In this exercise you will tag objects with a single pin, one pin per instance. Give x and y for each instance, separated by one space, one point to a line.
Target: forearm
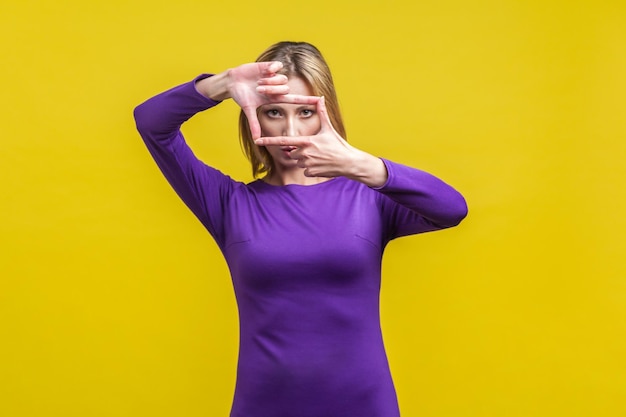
216 88
160 117
367 169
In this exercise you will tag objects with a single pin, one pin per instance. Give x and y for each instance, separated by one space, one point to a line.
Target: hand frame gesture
255 84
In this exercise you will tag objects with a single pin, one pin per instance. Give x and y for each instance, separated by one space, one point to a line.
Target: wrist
214 87
368 169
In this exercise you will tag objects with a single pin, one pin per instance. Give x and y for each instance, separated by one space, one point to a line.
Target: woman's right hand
251 86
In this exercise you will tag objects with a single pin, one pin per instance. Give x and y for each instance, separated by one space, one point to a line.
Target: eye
273 113
306 113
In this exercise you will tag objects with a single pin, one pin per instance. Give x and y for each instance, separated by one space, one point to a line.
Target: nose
290 128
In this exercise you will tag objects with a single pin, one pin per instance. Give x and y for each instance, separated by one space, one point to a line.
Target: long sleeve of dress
418 202
202 188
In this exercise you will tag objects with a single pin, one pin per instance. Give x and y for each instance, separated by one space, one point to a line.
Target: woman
304 243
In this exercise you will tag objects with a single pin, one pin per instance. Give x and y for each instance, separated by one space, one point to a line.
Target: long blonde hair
300 59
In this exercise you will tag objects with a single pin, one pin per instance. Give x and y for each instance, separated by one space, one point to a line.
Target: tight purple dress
305 263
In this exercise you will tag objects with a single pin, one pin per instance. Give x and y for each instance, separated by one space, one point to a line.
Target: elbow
152 123
147 123
141 118
455 212
458 212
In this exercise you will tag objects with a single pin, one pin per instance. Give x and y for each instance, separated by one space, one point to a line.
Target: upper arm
204 189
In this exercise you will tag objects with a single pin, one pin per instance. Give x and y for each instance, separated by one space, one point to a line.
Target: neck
292 176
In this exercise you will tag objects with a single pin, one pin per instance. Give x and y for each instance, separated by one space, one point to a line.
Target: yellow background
114 301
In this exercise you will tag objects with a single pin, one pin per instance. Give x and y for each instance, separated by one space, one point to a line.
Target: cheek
269 127
312 126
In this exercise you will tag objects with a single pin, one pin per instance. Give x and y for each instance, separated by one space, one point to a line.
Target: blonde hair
299 59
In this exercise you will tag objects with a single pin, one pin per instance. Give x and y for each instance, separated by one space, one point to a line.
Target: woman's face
283 119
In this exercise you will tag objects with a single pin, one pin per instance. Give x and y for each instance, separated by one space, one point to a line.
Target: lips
287 148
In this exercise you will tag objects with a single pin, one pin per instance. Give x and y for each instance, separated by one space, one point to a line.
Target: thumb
270 67
253 122
323 112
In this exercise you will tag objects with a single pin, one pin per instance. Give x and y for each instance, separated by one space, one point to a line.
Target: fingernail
259 142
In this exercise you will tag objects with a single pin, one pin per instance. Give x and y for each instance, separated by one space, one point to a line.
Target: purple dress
306 268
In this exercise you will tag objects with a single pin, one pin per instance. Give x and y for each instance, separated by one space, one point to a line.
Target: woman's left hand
327 154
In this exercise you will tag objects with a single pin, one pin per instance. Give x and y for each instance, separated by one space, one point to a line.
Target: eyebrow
281 105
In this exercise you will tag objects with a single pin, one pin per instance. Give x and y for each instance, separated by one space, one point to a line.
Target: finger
275 80
297 154
253 122
295 99
274 90
283 141
270 68
323 113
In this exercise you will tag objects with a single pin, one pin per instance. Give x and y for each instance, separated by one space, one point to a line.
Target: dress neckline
295 186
